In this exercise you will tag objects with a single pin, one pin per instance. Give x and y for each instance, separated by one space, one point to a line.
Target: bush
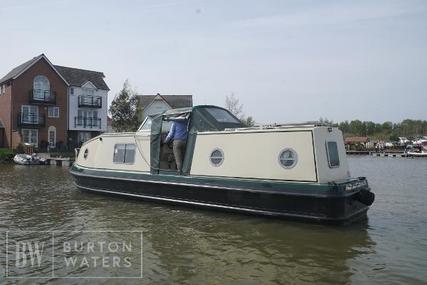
20 148
6 154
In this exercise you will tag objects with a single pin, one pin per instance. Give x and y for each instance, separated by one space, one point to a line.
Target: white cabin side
318 154
100 151
255 154
326 169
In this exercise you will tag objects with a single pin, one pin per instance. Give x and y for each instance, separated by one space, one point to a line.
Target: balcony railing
87 122
31 120
42 96
90 101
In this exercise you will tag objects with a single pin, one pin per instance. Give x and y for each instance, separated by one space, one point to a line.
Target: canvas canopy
200 119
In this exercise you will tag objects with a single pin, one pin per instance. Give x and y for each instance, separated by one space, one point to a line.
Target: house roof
17 71
175 101
78 77
356 139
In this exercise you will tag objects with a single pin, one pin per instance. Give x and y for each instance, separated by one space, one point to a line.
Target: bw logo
28 254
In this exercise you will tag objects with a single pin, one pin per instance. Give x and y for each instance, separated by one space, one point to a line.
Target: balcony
39 96
31 120
87 122
90 101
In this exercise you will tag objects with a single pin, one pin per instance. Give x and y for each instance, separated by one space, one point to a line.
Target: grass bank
6 155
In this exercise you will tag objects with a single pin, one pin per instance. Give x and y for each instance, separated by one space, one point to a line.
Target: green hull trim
266 186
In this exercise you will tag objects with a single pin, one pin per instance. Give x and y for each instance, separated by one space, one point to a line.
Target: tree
233 105
124 110
249 121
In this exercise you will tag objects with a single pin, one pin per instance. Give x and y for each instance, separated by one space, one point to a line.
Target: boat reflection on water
189 246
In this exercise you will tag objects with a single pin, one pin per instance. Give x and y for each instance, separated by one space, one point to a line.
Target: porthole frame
279 160
222 160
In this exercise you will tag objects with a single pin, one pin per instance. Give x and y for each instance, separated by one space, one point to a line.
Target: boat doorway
167 158
162 158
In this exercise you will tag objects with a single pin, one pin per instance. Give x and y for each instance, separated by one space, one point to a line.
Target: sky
286 61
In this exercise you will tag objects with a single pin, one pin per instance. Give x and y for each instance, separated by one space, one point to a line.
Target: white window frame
30 135
89 91
41 85
36 108
51 129
124 147
55 112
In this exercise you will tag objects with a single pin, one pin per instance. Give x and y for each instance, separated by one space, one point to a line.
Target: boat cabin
219 145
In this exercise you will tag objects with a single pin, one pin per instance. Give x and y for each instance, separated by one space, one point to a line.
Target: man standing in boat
178 133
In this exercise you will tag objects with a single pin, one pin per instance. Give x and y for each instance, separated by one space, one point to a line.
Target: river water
187 246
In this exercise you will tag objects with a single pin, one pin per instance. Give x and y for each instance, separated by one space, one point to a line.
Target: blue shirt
178 131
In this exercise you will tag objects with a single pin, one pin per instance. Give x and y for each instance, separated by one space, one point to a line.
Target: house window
52 136
30 136
124 153
29 114
72 91
89 91
53 112
41 87
333 157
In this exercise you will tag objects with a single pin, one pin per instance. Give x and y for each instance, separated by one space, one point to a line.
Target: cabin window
217 157
288 158
86 153
146 126
124 153
333 157
222 116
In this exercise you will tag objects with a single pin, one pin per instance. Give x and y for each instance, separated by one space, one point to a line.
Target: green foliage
385 131
20 148
6 154
249 121
124 110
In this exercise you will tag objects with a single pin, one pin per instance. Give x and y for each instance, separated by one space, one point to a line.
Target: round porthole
217 157
288 158
86 153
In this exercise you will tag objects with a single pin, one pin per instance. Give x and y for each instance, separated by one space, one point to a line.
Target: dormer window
89 91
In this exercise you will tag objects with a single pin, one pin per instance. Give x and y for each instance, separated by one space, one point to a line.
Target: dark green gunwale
291 188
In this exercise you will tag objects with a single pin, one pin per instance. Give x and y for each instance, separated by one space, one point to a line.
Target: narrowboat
296 171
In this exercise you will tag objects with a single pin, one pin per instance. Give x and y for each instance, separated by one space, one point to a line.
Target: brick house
51 106
33 105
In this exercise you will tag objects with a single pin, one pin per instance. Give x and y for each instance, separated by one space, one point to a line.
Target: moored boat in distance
419 150
292 171
26 159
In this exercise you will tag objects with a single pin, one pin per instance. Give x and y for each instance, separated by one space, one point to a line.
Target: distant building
154 104
51 106
356 143
87 104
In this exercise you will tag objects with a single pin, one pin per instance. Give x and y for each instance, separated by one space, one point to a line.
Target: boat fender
366 197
